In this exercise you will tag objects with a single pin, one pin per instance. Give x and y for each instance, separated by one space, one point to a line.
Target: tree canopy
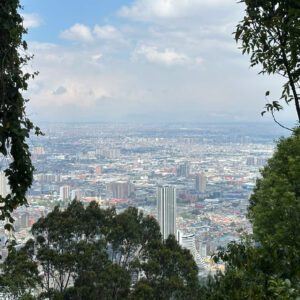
91 253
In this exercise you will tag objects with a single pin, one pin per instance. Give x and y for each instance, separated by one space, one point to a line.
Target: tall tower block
166 210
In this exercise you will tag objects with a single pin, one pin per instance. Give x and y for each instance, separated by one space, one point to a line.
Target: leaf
8 227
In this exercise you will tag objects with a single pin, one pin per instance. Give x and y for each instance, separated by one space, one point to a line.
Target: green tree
15 126
60 238
170 273
19 273
97 277
274 207
270 32
130 235
90 253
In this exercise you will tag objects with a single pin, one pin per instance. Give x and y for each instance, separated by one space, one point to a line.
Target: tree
130 235
15 126
274 207
97 277
19 273
270 32
170 273
91 253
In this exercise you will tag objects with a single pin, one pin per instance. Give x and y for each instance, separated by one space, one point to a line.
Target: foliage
90 253
270 32
170 273
20 274
14 124
275 206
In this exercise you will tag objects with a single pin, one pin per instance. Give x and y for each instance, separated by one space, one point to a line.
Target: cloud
106 32
166 57
59 91
78 32
97 57
146 10
31 20
174 68
83 33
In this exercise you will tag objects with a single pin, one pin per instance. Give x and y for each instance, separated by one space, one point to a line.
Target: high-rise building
184 170
188 242
4 187
166 210
24 220
76 194
203 249
120 189
250 161
200 183
64 192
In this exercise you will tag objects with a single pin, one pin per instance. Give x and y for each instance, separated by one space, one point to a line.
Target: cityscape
195 179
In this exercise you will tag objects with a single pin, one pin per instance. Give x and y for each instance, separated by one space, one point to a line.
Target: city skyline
213 169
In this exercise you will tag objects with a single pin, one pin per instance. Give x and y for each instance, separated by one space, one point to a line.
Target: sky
142 61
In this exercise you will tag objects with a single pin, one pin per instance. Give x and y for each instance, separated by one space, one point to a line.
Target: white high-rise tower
166 211
4 187
200 183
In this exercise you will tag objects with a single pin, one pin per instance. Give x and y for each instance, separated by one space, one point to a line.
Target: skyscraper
120 189
166 210
183 170
4 187
200 183
64 192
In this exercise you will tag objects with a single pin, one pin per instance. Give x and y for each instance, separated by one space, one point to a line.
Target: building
250 161
4 187
98 170
38 151
24 220
183 170
76 194
166 211
203 249
120 189
200 183
188 242
64 192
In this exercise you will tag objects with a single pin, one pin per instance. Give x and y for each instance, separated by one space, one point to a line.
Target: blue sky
141 60
56 15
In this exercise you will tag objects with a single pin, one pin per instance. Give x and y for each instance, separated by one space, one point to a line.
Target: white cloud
83 33
106 32
31 20
150 9
78 32
97 57
166 57
101 82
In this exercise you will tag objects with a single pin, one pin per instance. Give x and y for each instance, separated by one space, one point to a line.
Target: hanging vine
15 127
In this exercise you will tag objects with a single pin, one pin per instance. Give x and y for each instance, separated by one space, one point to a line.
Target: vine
15 126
